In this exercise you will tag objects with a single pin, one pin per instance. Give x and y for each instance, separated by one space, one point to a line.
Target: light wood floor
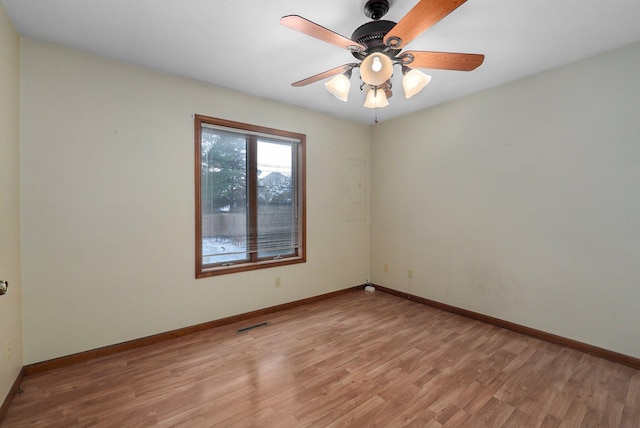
361 359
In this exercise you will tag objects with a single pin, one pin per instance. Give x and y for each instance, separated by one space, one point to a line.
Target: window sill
205 272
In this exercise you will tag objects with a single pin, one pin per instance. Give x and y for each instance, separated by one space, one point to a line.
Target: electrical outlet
386 268
7 353
410 273
276 282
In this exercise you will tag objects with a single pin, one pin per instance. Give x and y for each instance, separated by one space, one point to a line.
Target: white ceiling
240 44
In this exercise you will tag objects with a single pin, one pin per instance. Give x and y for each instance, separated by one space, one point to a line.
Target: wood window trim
202 270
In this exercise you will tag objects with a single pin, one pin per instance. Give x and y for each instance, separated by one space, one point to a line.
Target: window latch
226 264
278 257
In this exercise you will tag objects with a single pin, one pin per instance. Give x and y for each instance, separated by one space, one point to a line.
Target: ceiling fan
378 46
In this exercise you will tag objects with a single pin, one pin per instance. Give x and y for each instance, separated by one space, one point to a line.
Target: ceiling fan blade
303 25
324 75
423 16
442 60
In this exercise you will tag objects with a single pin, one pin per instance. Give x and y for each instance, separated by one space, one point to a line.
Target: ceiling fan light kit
339 86
376 69
378 44
413 81
376 98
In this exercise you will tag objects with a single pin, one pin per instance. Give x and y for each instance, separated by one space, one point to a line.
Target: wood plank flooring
360 359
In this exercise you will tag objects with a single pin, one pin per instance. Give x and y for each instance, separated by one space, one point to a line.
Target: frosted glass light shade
339 86
376 69
376 98
413 82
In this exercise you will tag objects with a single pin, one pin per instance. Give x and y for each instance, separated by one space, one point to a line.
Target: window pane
277 215
224 196
250 202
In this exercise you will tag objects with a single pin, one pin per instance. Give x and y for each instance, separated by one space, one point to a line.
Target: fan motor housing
376 9
372 35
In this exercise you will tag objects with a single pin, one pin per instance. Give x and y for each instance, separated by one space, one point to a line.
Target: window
250 197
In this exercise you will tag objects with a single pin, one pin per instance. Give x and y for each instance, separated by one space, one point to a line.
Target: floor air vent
251 327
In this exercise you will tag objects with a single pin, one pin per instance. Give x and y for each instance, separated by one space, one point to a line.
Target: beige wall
108 204
521 202
10 303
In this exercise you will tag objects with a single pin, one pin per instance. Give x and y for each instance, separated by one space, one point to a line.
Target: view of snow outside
273 159
225 249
